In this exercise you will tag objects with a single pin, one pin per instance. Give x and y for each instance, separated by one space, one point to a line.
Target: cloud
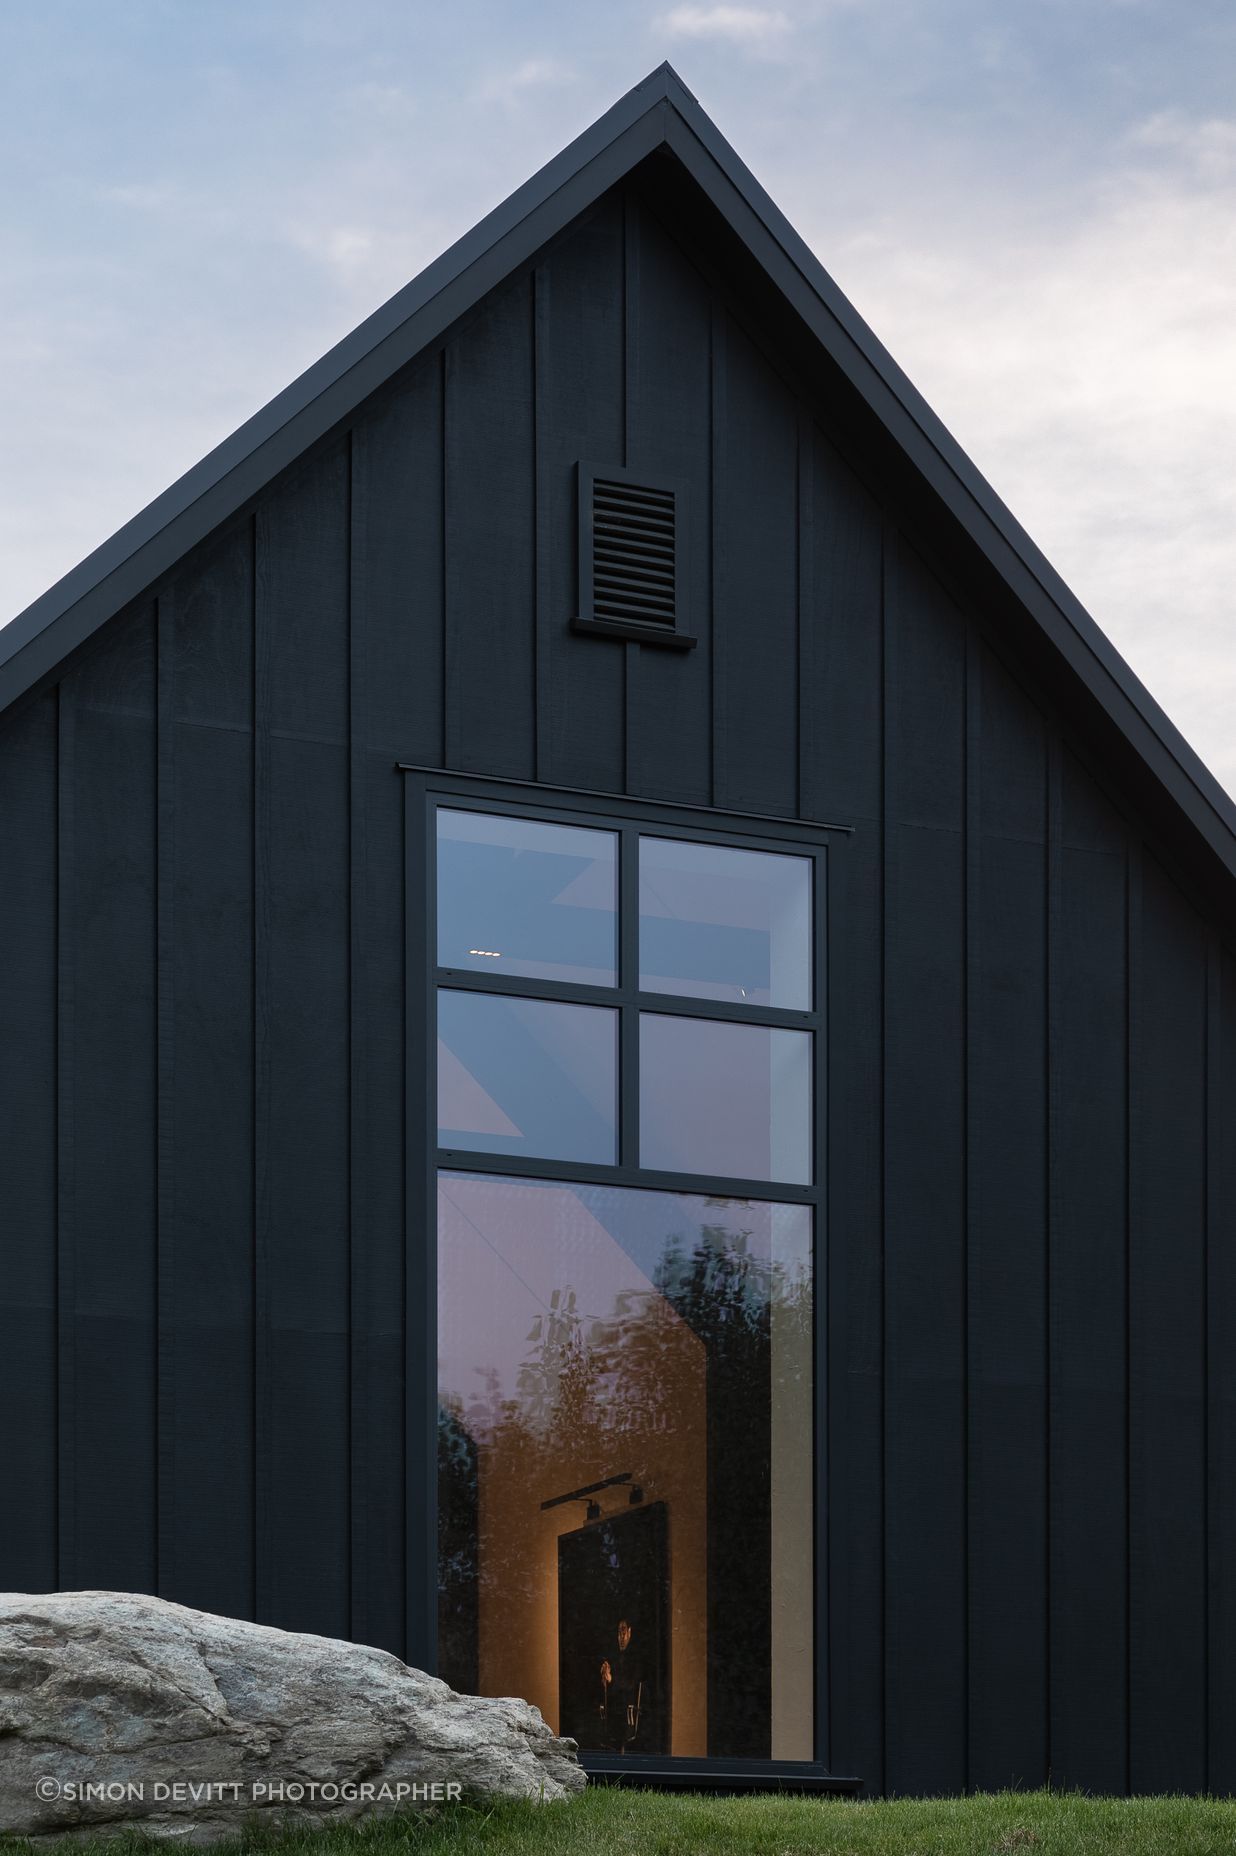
141 197
532 74
387 103
740 25
344 248
1088 366
1205 149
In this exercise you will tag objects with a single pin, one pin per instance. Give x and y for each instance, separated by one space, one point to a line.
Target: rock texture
120 1712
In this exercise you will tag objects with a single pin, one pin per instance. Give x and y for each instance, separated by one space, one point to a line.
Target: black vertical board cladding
924 1228
854 1262
842 695
303 1030
377 1207
396 701
1006 1296
840 648
755 580
206 1235
580 389
110 1430
1167 1340
397 569
669 431
65 1037
28 1558
1221 1360
1088 1148
491 666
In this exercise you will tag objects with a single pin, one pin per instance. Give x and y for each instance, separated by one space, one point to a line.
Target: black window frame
425 792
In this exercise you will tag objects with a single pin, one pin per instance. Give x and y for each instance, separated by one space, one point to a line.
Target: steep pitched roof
659 113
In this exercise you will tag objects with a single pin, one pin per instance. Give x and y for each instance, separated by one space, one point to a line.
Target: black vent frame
632 566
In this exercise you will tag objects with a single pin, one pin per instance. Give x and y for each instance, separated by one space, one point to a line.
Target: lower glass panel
659 1344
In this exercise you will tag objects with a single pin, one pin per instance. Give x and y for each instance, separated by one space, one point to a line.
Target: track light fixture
589 1488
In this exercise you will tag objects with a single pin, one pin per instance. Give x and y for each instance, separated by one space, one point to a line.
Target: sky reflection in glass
527 1076
733 1099
516 896
721 923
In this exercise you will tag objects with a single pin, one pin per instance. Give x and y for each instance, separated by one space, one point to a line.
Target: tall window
627 1040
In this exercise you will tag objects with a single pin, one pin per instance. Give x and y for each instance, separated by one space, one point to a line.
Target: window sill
654 1773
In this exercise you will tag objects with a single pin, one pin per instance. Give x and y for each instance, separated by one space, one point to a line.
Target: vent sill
634 632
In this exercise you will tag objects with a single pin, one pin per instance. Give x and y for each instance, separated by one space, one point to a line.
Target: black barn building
619 1038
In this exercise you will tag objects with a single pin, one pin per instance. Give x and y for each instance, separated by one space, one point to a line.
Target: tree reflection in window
682 1356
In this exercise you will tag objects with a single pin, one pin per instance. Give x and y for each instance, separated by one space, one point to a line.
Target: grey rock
120 1712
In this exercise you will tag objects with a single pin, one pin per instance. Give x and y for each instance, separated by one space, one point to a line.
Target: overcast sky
1033 204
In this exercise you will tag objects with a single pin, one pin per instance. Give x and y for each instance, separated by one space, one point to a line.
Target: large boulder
121 1712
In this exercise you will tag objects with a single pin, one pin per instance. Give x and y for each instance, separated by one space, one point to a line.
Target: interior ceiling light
486 953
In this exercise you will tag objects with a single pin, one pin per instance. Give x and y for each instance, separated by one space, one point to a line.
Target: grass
607 1822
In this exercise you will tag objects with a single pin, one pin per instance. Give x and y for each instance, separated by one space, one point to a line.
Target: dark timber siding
1030 1268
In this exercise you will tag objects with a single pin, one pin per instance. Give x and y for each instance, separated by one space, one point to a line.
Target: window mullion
628 981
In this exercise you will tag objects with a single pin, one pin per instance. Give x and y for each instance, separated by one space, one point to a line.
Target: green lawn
629 1823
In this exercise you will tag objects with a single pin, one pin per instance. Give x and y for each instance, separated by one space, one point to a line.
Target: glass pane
659 1344
517 896
716 923
724 1098
527 1076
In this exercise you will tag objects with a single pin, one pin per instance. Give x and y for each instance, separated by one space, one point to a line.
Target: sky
1033 205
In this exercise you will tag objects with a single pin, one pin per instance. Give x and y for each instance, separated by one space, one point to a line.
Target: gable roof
660 113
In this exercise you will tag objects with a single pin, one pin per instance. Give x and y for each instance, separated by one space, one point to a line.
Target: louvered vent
633 553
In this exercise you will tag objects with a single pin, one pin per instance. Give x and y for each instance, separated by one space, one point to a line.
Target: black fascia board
659 112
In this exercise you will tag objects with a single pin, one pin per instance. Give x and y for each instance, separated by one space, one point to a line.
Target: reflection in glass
588 1332
518 896
527 1076
733 1099
719 923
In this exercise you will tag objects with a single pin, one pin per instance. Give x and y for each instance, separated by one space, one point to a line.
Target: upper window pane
521 897
717 923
